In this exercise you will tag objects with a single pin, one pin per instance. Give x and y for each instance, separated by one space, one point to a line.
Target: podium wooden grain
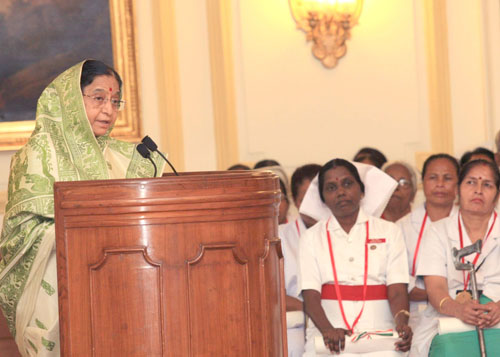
173 266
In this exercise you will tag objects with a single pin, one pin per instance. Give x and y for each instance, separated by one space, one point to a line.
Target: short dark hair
477 151
266 163
94 68
333 164
372 154
239 167
306 172
440 156
471 164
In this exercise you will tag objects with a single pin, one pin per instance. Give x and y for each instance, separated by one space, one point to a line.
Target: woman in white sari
71 142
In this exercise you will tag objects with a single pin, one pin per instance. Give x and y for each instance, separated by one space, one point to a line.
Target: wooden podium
173 266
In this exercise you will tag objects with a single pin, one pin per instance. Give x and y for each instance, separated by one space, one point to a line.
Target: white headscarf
378 190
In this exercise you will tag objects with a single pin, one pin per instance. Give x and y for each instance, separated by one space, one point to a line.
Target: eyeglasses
404 183
99 101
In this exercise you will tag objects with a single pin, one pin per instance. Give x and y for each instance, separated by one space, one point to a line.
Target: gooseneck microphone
144 151
151 145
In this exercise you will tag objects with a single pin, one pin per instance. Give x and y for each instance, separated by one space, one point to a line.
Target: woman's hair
333 164
477 151
239 167
266 163
440 156
94 68
471 164
306 172
372 154
411 171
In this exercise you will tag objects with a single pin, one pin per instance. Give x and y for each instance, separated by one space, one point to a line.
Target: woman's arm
417 294
437 291
397 294
334 338
293 304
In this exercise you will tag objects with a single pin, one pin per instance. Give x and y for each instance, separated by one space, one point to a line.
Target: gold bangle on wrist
403 311
442 302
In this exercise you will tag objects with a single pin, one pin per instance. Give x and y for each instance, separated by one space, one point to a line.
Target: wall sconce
328 24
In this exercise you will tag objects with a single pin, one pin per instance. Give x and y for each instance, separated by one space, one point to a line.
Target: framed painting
40 39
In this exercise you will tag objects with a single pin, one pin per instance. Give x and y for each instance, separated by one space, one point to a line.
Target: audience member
348 258
266 163
439 178
400 203
274 166
449 289
370 156
238 167
290 234
476 154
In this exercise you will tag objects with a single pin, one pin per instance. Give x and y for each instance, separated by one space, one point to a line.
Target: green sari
61 148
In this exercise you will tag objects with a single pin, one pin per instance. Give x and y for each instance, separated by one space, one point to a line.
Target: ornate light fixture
328 24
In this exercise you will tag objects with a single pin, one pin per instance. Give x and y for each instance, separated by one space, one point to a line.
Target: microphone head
143 150
149 143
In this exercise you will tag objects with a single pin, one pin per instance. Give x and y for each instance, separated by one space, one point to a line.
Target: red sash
354 292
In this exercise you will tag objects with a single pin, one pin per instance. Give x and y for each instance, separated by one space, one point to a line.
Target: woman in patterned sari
71 142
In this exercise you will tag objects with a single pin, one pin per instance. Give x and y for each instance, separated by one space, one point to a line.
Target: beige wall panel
491 28
195 85
147 74
467 75
294 110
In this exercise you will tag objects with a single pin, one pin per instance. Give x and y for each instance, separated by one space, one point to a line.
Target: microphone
143 150
151 145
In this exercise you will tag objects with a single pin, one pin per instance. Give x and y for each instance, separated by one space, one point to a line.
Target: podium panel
173 266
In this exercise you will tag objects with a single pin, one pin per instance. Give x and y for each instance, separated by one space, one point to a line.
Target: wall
297 111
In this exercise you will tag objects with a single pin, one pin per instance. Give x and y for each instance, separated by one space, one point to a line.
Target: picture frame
14 134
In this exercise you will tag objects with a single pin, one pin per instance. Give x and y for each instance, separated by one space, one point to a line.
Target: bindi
110 89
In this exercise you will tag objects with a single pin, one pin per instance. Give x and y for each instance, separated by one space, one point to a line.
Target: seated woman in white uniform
439 178
290 234
448 289
353 274
400 203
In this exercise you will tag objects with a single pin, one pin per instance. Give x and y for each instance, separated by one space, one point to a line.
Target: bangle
403 311
443 300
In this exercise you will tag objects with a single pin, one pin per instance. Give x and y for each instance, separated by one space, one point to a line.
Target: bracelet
443 301
403 311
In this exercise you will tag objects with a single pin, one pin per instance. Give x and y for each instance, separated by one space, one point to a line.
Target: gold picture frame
15 134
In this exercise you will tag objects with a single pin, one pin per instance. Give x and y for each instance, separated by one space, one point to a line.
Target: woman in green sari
71 142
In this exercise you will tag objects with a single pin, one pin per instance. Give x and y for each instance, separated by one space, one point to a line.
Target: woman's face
477 192
97 99
405 192
440 182
283 209
341 191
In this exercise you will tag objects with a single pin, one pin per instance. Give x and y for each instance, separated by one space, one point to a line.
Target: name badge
376 240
